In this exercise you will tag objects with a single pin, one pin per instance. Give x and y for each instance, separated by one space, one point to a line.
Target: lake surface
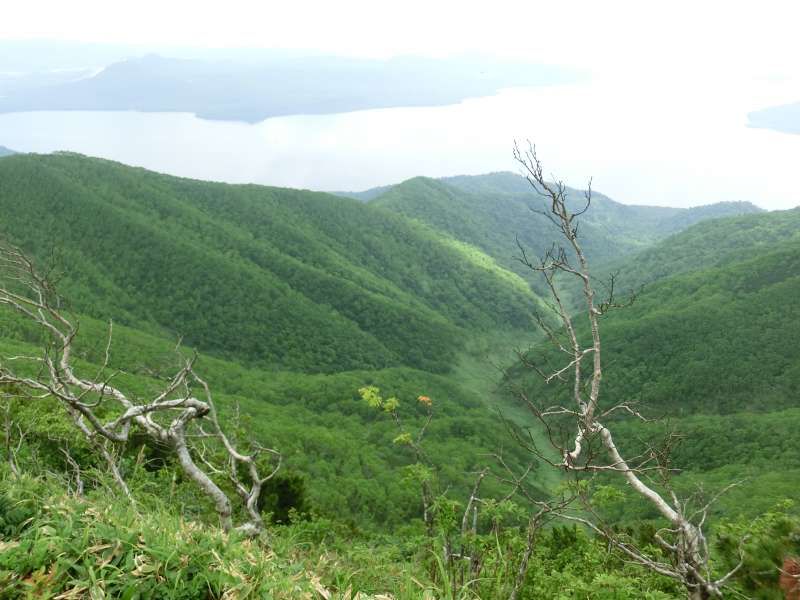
641 142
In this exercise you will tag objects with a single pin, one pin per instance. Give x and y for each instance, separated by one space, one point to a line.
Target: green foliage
713 243
491 212
372 396
304 307
325 431
278 278
569 564
403 439
99 546
53 545
761 545
288 291
708 354
712 341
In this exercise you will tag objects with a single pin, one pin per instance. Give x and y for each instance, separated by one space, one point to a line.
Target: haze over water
642 142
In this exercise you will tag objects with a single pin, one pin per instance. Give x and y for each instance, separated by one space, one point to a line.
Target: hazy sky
672 82
720 38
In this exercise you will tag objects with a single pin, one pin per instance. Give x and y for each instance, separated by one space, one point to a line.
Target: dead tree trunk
682 539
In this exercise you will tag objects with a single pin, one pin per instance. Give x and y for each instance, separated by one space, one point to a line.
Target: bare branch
33 296
683 539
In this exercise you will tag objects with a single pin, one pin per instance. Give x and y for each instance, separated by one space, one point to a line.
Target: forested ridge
710 244
493 211
282 278
498 211
346 334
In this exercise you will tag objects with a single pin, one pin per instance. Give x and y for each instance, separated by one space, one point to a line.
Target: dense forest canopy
298 301
282 278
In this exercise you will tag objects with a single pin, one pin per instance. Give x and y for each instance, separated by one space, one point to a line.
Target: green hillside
279 278
640 220
710 244
328 436
296 300
630 226
712 341
491 211
709 349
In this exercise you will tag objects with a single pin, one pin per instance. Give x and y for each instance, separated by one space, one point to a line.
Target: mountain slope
281 278
295 301
492 211
639 223
652 219
709 345
6 151
712 341
711 244
340 448
712 334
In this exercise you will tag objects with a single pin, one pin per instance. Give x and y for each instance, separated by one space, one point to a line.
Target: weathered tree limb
166 418
688 550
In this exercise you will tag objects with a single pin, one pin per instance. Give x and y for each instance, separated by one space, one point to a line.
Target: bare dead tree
174 417
593 449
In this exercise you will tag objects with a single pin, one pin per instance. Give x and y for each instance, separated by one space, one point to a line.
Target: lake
643 142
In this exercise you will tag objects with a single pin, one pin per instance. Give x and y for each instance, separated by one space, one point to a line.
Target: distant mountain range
254 90
492 211
6 151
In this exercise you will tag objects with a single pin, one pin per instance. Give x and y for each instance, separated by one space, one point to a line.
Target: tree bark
221 502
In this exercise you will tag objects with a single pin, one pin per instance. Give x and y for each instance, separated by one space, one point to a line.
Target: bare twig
687 545
165 418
